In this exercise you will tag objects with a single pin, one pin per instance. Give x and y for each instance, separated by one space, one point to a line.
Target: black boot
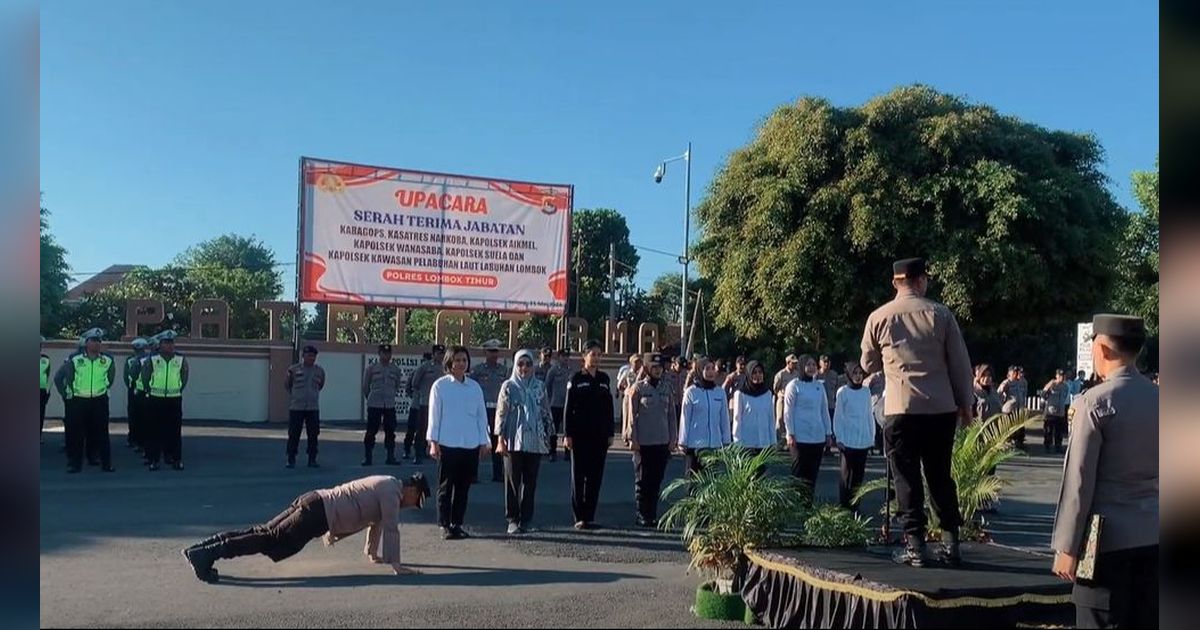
202 559
312 462
215 538
949 552
367 454
913 553
391 457
291 461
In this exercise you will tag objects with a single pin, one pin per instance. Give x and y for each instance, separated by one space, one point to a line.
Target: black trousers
854 466
520 485
75 424
1018 437
1123 593
163 429
497 461
1055 431
310 422
556 413
456 471
386 416
414 432
90 431
131 416
806 463
691 460
283 536
649 468
587 475
923 441
45 393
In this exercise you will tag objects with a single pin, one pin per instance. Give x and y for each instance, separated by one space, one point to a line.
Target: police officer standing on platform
491 376
135 392
381 384
420 382
305 380
165 375
919 347
83 382
1111 470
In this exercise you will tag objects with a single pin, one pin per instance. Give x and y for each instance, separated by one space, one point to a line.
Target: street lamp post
684 340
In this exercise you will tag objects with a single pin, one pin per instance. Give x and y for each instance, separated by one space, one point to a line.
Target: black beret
909 268
1118 326
310 350
656 359
437 347
385 347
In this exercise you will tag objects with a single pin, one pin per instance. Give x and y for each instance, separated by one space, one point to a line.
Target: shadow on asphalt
460 576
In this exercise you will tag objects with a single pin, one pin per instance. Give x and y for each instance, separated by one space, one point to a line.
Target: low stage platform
996 587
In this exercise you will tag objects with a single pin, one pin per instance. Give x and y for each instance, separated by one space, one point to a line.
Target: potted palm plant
727 508
979 449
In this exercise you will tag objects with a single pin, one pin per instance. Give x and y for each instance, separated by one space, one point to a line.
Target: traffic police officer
135 393
917 344
1111 470
44 388
83 382
381 384
491 375
164 376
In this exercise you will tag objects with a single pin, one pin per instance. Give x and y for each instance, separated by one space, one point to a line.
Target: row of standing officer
154 382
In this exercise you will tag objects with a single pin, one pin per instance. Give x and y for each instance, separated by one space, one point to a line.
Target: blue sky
164 123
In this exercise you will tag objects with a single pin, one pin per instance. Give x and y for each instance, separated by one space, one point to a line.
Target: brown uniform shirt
919 347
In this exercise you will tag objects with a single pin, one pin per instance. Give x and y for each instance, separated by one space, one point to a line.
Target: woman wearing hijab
704 419
754 410
524 427
854 432
806 419
651 433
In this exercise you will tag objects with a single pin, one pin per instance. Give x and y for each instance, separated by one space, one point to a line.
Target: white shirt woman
754 410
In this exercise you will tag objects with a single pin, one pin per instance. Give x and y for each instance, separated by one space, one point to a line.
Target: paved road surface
110 545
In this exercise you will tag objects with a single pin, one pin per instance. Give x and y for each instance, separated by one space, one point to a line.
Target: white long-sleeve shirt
457 414
704 419
853 420
806 412
754 419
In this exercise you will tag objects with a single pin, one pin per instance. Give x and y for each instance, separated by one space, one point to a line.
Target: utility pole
612 281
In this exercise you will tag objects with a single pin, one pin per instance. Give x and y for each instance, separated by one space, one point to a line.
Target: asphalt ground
110 544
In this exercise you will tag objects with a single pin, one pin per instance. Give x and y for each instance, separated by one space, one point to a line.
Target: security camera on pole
684 341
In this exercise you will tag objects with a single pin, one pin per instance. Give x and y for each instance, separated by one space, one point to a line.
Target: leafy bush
831 525
731 506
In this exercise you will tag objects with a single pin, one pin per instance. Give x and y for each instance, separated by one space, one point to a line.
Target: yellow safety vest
44 374
138 384
91 376
166 380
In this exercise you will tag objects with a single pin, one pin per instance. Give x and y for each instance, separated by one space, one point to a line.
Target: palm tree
730 506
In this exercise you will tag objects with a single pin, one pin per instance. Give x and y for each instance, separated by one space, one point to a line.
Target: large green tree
801 225
592 231
1136 289
233 268
54 274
